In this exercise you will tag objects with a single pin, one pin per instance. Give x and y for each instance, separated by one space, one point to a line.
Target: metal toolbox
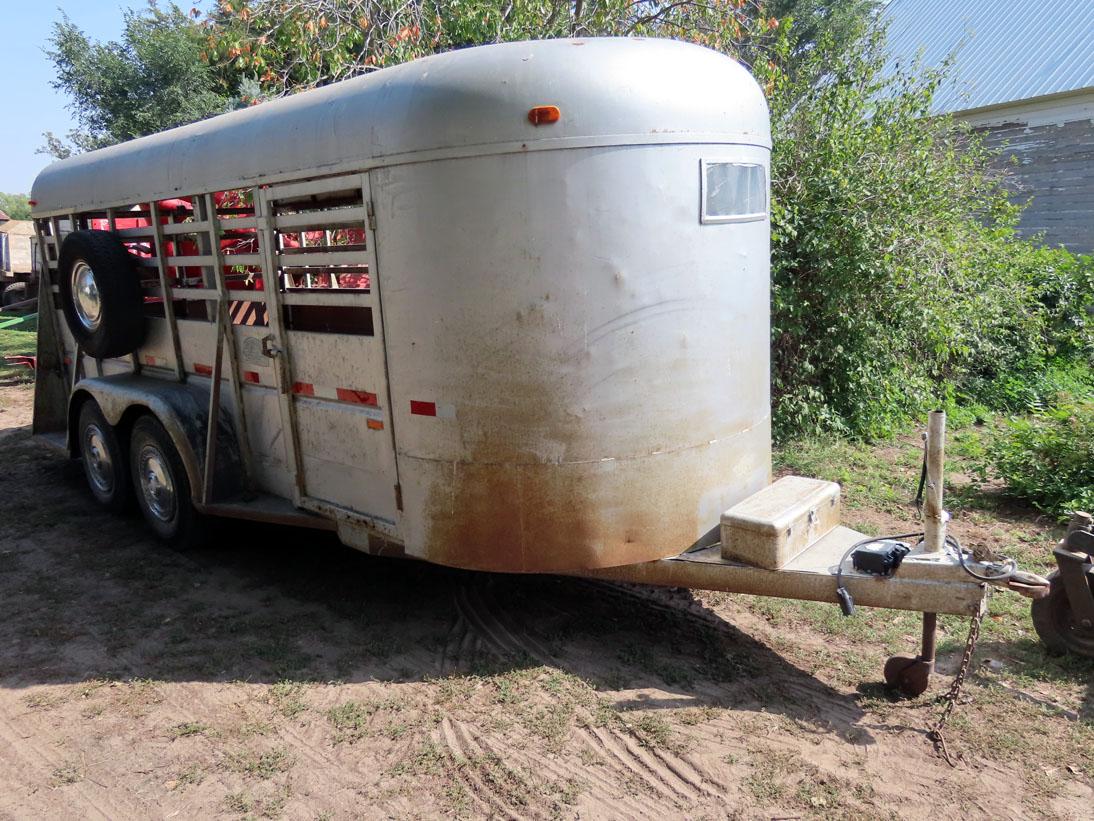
772 526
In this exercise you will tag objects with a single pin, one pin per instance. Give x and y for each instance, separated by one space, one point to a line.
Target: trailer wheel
101 294
1055 623
103 459
16 292
162 487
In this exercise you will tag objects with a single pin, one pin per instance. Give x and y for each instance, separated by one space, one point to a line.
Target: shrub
1048 459
897 276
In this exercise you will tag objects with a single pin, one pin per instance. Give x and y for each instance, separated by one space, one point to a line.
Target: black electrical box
880 558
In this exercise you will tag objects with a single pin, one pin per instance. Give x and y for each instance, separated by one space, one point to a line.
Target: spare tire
101 294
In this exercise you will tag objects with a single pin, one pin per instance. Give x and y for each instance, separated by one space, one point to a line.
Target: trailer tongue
786 541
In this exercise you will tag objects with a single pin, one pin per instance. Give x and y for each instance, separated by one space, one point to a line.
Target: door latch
270 348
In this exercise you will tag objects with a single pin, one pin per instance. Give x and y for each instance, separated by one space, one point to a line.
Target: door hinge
398 497
371 216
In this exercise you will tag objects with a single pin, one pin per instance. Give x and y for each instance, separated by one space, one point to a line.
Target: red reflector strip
150 360
303 388
356 397
423 408
203 370
252 377
375 424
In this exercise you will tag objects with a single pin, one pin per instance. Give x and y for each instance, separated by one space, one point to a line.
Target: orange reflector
543 114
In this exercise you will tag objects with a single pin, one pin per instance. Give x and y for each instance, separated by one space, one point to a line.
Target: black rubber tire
107 478
1054 624
16 292
180 525
122 325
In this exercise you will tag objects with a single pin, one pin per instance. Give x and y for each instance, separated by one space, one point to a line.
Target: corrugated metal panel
1005 50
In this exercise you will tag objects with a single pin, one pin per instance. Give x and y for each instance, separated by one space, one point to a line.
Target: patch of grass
239 802
882 478
16 343
288 697
67 773
249 729
692 716
263 765
351 720
190 777
652 730
764 790
41 701
189 728
459 800
427 760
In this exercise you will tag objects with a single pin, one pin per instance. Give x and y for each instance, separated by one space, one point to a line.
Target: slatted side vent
323 258
190 242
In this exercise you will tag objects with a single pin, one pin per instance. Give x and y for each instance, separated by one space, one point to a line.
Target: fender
182 409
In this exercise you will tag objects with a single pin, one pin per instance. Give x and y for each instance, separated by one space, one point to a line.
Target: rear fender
182 409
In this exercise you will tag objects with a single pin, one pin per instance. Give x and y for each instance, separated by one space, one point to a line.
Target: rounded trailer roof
611 91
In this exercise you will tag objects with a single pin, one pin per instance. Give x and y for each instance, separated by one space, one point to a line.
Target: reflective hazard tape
350 395
250 377
420 407
363 401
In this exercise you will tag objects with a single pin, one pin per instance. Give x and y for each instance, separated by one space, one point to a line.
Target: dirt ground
280 674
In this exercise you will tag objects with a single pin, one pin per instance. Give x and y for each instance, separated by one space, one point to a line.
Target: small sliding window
733 192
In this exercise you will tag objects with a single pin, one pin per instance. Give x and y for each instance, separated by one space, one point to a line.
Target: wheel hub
85 296
157 484
100 468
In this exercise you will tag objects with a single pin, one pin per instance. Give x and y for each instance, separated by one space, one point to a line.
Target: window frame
706 218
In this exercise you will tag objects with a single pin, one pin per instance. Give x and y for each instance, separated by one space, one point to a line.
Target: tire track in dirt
465 758
607 797
482 625
495 628
637 763
663 773
95 797
460 648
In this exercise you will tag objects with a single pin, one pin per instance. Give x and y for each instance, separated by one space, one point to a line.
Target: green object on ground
20 323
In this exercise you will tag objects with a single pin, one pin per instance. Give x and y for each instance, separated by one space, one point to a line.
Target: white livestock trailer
504 308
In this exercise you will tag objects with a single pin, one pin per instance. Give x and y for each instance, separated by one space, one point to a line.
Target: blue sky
32 106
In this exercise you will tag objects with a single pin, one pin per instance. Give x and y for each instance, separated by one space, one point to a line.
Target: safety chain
935 733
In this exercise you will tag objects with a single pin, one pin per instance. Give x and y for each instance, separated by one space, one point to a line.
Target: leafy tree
15 206
839 23
151 79
896 267
285 45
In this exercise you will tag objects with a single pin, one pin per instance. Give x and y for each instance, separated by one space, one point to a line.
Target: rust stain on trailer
565 517
509 507
527 486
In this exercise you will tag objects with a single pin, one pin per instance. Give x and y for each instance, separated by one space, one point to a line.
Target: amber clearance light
544 114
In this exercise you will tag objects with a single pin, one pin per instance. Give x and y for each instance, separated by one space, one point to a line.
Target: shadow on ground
88 595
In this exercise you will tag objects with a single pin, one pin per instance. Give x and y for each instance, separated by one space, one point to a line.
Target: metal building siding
1004 50
1053 170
